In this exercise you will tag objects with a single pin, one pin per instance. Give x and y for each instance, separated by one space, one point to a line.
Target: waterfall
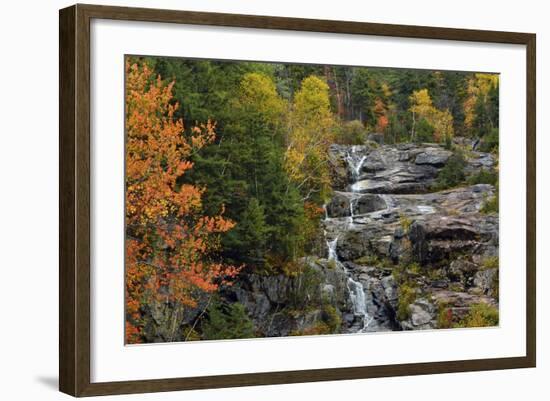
331 245
354 162
350 220
355 288
359 302
326 211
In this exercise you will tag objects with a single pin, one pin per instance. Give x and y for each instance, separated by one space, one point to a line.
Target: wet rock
388 217
339 205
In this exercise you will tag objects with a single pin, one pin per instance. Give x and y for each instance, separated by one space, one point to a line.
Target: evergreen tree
363 96
227 322
252 231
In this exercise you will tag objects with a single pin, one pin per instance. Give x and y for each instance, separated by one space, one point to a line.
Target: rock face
398 256
274 302
397 238
398 169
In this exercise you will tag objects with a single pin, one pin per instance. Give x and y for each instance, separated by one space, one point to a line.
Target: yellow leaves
259 95
484 82
310 135
421 102
478 86
440 120
312 105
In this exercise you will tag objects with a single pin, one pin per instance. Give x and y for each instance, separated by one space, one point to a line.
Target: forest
230 182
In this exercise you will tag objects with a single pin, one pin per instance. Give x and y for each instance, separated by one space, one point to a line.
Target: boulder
368 203
423 316
487 281
462 270
433 156
339 205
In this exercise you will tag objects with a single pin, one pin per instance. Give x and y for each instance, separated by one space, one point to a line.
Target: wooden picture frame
74 200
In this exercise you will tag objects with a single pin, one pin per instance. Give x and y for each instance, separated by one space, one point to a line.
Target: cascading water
355 288
331 245
355 162
350 219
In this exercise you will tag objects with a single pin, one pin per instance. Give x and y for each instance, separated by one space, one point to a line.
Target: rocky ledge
398 255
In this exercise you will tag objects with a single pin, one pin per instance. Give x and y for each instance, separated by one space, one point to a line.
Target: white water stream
355 288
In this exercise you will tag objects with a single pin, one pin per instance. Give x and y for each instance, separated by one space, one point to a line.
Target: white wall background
28 197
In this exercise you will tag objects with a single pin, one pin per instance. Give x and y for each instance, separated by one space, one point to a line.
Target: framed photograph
249 200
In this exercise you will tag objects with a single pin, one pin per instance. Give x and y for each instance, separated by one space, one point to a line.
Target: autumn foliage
440 120
170 244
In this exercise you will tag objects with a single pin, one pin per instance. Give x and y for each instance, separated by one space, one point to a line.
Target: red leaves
169 243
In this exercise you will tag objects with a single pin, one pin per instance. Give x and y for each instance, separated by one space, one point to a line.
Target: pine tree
227 322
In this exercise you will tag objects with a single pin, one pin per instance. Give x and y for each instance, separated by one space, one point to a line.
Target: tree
363 96
227 322
252 229
481 104
170 243
422 107
452 174
380 111
311 133
424 131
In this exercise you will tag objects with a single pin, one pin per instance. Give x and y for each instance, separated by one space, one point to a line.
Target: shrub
480 315
331 264
414 268
456 287
445 317
317 329
490 262
350 133
331 318
483 177
490 205
452 174
369 260
407 295
489 143
405 222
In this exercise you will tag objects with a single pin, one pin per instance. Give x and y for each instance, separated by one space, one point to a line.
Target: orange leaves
132 334
169 244
312 210
380 111
382 123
